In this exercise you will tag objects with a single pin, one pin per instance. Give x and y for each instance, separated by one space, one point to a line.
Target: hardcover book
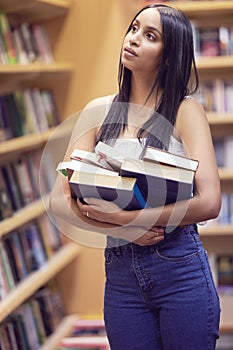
160 184
123 191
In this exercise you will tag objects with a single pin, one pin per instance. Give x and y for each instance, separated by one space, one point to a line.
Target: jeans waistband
169 231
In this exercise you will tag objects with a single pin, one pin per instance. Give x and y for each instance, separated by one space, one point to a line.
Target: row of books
25 250
22 181
30 324
223 151
213 41
27 111
23 43
216 96
158 179
222 269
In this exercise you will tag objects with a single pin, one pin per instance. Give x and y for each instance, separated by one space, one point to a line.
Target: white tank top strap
108 104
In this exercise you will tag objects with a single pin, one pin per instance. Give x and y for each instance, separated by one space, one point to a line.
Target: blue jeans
161 297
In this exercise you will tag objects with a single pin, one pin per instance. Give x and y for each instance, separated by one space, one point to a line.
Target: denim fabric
161 297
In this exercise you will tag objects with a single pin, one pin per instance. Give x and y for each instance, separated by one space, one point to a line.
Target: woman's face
143 45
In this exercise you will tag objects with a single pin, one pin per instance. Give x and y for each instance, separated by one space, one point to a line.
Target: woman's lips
130 51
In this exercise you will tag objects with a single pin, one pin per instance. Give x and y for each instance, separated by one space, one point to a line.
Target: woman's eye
150 36
134 28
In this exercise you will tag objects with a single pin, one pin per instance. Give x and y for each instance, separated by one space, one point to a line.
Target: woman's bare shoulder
100 101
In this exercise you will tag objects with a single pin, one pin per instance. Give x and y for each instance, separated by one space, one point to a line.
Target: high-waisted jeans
161 297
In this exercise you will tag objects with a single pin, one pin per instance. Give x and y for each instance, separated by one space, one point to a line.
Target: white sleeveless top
132 147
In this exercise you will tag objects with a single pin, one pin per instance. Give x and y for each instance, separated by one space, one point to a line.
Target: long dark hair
173 77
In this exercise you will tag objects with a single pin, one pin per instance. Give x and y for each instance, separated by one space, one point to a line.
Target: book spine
5 31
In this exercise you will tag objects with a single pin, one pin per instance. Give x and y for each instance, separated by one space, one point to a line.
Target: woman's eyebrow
155 29
149 27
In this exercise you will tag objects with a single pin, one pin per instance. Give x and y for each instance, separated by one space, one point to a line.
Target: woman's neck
140 90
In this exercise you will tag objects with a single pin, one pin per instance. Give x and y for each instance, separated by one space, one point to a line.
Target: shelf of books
39 278
213 48
32 251
22 216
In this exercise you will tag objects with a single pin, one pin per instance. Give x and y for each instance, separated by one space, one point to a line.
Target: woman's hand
100 210
151 237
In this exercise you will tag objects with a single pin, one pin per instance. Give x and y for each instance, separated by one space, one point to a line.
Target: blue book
121 190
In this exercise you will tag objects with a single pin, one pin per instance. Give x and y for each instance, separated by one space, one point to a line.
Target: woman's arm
64 207
193 130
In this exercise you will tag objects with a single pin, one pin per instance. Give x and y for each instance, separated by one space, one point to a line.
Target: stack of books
158 179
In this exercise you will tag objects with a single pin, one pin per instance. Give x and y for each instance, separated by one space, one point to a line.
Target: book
29 42
50 107
13 187
6 209
123 191
89 158
13 114
4 288
107 154
225 271
67 168
153 154
42 43
24 180
160 184
21 53
5 128
35 243
7 267
6 33
162 177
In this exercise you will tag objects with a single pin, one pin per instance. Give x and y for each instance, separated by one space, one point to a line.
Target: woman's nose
135 39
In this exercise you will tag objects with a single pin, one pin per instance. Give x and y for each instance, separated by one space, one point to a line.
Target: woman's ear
167 61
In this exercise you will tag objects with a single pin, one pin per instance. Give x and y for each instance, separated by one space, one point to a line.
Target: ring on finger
87 214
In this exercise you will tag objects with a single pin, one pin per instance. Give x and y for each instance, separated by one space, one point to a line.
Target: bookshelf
20 76
217 238
38 279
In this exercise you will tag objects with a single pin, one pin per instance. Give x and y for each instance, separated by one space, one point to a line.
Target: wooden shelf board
216 230
63 330
226 328
226 174
204 8
23 216
53 68
35 10
31 284
214 62
220 119
26 142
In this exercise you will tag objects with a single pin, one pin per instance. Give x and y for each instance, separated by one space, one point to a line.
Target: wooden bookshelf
19 76
218 64
25 143
23 216
63 330
216 230
35 10
36 68
38 279
204 9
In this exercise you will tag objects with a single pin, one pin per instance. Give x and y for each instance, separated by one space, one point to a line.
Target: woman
159 290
